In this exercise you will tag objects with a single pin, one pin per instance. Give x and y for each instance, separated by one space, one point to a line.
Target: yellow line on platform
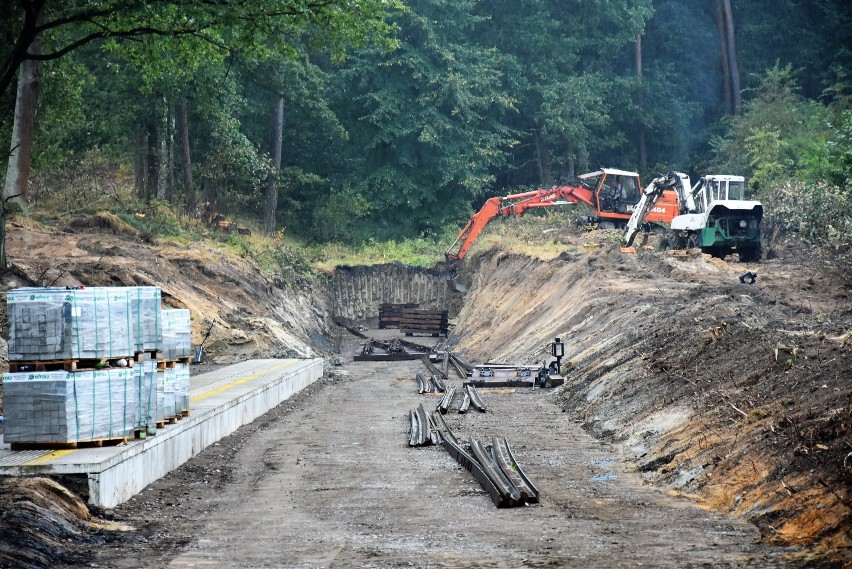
228 386
45 458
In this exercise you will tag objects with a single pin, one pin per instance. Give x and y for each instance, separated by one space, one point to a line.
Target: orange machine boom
611 193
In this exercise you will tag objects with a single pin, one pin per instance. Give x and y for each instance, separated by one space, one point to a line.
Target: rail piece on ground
459 369
421 428
447 400
504 457
351 330
445 368
432 367
475 400
460 362
465 404
438 382
424 383
508 492
389 351
465 459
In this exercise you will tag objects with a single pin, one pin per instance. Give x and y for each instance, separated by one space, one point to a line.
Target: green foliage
425 128
779 135
418 252
817 214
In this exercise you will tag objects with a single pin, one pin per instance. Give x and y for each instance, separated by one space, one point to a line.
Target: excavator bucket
455 283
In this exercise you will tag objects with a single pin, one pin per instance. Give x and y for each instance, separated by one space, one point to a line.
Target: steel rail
460 362
432 368
508 490
475 399
462 373
506 461
414 437
445 369
438 383
424 383
465 404
434 435
467 461
447 400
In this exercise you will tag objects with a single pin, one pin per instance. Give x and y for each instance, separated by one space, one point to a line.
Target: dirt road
327 480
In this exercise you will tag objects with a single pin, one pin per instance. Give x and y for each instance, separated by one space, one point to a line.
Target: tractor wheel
749 254
692 241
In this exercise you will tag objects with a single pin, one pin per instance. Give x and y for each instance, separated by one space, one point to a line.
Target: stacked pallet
431 322
390 315
82 368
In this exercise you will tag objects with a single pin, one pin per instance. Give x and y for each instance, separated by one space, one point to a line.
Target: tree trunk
732 56
172 193
163 158
545 174
723 47
151 162
643 151
571 174
272 182
139 171
23 130
185 162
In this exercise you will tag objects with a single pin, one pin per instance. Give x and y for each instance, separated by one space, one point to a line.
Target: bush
818 214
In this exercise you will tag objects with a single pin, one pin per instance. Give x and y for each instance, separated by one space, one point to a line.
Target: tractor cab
720 189
616 191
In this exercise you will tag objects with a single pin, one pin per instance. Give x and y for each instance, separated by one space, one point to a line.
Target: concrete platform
221 401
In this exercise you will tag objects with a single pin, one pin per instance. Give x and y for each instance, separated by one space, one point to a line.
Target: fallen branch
738 410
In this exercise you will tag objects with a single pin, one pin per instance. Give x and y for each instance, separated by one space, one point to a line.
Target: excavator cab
616 192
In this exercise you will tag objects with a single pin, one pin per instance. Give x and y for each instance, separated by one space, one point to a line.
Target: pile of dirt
42 524
253 315
736 394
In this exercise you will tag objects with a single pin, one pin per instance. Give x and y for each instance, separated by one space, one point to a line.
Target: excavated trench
731 395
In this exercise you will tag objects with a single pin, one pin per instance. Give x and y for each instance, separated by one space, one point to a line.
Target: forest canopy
389 119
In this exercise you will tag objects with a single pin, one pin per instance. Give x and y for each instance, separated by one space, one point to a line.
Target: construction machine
716 216
612 195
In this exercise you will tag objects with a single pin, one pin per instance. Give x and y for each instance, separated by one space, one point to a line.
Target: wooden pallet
66 445
431 322
67 365
390 315
166 364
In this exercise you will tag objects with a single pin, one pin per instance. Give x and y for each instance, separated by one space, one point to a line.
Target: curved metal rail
432 367
508 491
502 454
470 464
438 383
447 400
465 404
424 383
475 400
461 363
415 437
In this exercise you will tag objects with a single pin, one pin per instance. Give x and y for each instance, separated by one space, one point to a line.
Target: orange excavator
611 194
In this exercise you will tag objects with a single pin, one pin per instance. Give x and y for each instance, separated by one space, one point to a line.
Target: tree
261 27
563 68
425 122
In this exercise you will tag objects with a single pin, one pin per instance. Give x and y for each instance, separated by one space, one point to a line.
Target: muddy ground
704 421
328 480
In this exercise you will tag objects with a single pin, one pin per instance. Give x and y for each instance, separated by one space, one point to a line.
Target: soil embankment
735 394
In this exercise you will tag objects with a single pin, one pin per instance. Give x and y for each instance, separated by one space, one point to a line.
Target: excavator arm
646 203
516 204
